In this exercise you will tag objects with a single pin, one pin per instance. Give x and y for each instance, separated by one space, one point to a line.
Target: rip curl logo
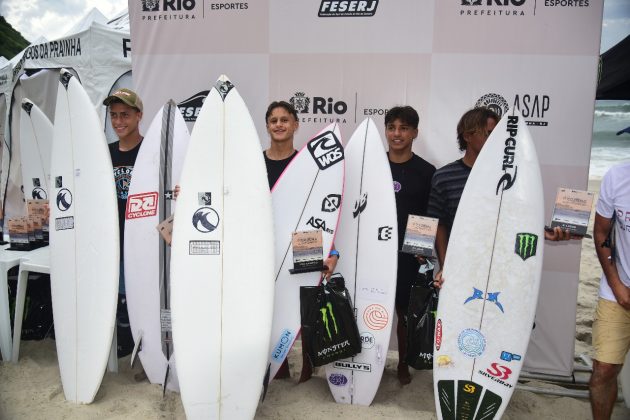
509 154
326 150
205 219
525 245
64 199
300 102
327 311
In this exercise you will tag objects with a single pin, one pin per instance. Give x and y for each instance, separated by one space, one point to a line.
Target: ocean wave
602 158
613 114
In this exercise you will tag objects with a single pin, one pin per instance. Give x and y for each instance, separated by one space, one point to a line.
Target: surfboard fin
168 370
266 382
136 348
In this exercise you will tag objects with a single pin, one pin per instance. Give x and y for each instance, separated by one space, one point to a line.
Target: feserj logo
347 8
191 107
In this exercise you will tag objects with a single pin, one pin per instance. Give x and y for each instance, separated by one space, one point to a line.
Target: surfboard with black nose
84 249
222 276
492 275
147 256
36 132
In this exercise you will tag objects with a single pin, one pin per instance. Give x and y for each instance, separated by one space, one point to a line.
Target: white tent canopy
100 56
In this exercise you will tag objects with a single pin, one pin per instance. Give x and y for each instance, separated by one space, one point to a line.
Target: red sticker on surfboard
438 334
141 205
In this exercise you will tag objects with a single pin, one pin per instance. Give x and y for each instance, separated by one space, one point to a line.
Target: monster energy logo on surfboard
325 310
525 245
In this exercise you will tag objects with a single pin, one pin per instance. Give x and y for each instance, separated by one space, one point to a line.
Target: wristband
334 253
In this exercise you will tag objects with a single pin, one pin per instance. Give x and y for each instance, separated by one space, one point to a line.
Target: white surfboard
492 275
367 233
84 248
307 196
222 263
36 132
147 255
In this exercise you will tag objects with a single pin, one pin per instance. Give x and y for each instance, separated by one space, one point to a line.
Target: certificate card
572 210
420 235
308 254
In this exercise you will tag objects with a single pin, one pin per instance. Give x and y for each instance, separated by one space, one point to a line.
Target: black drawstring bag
421 327
329 328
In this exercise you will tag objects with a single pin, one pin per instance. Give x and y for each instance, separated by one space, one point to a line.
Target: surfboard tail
136 349
266 382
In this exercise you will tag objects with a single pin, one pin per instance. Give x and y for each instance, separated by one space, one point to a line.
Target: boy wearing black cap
125 111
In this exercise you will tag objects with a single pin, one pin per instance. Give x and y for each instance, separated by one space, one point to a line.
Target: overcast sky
53 18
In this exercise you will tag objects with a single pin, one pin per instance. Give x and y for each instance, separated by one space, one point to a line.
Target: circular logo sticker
397 186
367 340
471 342
375 317
495 102
205 220
338 379
39 194
64 199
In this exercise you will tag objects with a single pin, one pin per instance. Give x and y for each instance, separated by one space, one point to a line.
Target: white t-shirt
614 196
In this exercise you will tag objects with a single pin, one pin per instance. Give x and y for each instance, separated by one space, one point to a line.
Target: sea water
608 148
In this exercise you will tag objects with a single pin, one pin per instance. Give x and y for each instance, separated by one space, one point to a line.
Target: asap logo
326 149
141 205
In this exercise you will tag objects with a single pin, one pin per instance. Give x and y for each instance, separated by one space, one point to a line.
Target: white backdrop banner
345 60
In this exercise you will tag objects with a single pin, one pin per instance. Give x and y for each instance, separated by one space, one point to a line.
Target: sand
32 389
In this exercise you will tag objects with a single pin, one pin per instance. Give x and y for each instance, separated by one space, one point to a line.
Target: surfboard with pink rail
307 196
